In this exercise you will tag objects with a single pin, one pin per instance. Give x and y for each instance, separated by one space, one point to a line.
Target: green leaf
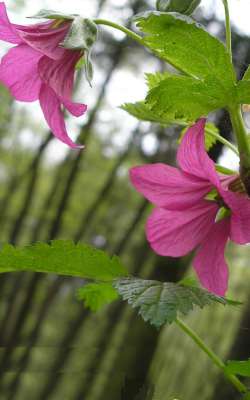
247 396
246 76
210 139
243 92
189 281
153 80
182 6
82 34
51 14
97 295
62 258
241 368
243 89
161 302
186 45
142 111
181 97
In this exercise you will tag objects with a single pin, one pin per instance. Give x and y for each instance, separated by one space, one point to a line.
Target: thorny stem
215 359
228 28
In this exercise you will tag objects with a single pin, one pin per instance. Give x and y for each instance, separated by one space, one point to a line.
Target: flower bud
182 6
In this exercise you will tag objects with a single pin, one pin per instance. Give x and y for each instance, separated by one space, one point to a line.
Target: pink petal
44 38
8 32
175 233
51 107
168 187
59 74
240 219
192 156
209 262
75 109
18 71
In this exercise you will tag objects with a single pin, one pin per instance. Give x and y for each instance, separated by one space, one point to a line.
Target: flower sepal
222 213
51 14
81 36
186 7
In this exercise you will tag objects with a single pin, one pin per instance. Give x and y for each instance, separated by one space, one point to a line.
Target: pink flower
39 69
185 219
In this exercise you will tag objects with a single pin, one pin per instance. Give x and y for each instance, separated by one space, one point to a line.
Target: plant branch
215 359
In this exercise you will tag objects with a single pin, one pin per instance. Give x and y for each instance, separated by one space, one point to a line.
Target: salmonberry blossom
197 208
38 68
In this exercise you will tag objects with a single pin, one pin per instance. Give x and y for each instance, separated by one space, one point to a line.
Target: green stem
121 28
215 359
228 28
241 135
223 141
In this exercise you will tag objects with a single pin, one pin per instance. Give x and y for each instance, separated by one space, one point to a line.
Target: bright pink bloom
38 68
184 219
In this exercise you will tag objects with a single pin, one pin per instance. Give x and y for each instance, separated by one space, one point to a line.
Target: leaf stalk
121 28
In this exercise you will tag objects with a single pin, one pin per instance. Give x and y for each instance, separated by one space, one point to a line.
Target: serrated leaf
210 139
210 135
181 97
241 368
243 92
51 14
142 111
97 295
153 80
185 44
189 281
246 76
82 34
161 302
62 258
